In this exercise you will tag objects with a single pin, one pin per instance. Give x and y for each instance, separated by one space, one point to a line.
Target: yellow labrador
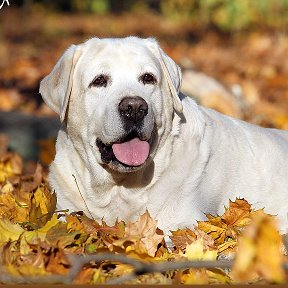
131 141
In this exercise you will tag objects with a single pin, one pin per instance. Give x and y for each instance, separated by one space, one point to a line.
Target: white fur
200 159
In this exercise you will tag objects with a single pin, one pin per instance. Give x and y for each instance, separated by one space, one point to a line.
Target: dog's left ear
171 72
56 88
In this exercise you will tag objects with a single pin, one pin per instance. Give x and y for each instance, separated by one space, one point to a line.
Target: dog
131 141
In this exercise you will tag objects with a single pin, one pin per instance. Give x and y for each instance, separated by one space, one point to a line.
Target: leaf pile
34 242
24 199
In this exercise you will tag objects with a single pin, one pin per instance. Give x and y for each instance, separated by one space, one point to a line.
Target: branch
140 267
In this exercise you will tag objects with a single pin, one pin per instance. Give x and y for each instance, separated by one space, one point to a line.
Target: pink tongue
132 153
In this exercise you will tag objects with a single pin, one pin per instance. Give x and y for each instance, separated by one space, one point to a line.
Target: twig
140 267
82 197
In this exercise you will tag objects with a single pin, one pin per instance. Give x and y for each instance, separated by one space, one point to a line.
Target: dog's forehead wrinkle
122 50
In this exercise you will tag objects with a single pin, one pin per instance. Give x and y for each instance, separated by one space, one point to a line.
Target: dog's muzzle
133 149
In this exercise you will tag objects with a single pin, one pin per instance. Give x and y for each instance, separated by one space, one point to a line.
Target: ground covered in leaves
39 244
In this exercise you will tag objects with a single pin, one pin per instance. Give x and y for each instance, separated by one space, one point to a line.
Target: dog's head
117 97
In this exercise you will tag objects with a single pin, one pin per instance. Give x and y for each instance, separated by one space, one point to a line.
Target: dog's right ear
56 88
171 72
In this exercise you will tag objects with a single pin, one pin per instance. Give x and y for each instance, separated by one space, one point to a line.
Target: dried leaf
229 226
181 238
58 262
195 276
143 234
10 165
197 251
9 231
259 252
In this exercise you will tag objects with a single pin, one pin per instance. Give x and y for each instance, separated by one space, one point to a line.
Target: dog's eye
99 81
148 78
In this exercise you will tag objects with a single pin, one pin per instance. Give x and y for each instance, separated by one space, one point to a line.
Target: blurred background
233 54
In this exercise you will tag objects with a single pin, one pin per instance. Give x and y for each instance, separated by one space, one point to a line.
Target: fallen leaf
197 251
9 231
58 262
230 225
10 165
194 276
181 238
143 234
259 253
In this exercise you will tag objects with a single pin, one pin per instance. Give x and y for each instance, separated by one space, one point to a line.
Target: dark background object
26 131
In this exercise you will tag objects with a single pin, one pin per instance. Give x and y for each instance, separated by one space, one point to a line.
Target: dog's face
120 87
114 95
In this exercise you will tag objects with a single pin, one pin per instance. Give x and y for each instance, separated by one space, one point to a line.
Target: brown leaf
31 182
58 262
145 231
181 238
141 236
237 216
85 276
208 241
238 213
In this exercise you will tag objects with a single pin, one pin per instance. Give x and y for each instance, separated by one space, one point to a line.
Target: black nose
133 109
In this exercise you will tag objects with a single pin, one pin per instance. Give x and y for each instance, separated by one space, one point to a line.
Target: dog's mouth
131 151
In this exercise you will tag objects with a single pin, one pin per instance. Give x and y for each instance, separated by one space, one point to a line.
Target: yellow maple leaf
197 251
5 171
43 205
195 276
216 232
229 225
73 223
29 270
9 231
34 236
39 199
7 205
259 253
228 246
217 276
10 165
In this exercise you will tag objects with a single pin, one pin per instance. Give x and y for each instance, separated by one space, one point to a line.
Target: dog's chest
122 203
